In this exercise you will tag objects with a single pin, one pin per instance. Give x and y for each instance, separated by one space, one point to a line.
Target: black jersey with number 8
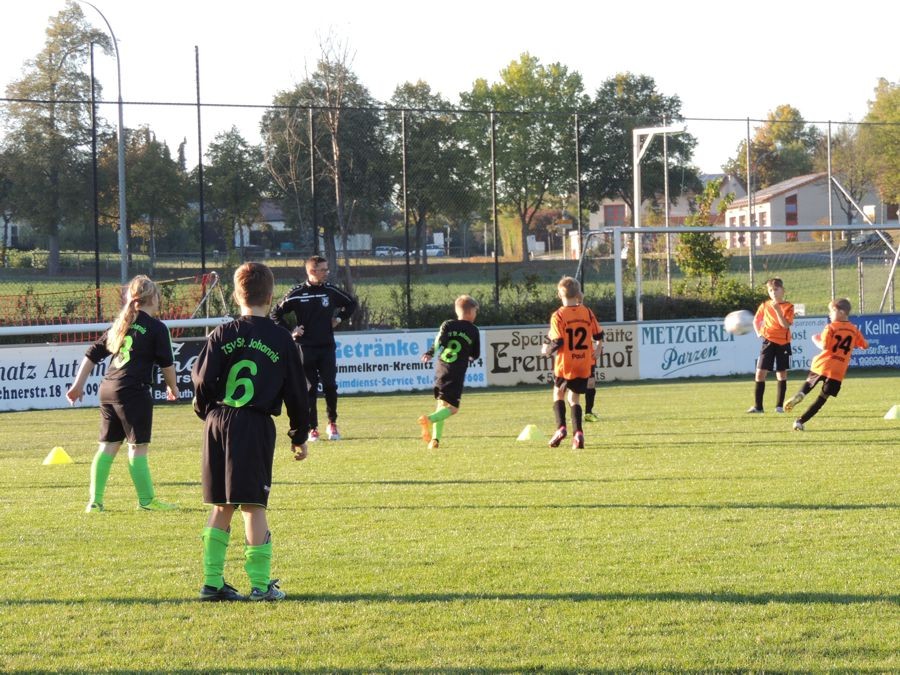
130 372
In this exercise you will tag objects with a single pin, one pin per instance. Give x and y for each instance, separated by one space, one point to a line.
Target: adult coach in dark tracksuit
318 307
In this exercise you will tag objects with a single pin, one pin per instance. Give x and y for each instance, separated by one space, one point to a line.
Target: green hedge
688 303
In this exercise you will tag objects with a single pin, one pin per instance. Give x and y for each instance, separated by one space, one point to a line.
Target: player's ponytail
141 291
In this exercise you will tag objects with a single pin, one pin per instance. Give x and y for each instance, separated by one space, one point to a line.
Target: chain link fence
412 206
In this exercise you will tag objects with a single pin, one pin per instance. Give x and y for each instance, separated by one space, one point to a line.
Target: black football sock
760 390
576 416
782 390
559 411
813 409
589 400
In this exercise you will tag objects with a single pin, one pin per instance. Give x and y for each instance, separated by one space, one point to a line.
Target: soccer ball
739 322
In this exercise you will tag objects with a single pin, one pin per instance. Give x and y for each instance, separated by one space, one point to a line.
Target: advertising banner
883 333
384 362
514 355
700 348
36 377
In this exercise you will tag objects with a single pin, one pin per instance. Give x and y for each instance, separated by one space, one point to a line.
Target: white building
615 213
802 200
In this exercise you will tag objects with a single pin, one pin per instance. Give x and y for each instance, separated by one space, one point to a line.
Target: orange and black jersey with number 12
838 340
577 329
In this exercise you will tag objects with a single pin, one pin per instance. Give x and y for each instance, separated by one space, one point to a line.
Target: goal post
817 262
50 329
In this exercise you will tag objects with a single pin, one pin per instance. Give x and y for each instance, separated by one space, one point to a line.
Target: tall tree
237 179
880 137
849 166
7 207
157 191
439 165
783 147
535 154
623 103
348 147
286 148
703 254
49 128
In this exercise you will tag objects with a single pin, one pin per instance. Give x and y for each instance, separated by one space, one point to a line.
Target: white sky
724 60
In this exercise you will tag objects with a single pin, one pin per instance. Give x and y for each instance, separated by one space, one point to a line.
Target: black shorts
238 448
773 356
131 420
319 366
579 385
449 392
830 387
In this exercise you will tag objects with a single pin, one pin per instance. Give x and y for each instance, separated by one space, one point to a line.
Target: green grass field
687 536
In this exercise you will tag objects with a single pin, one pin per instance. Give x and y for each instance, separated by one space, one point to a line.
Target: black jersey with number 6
130 373
252 363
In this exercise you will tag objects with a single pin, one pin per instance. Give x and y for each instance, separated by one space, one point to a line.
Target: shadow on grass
753 506
724 597
504 670
516 481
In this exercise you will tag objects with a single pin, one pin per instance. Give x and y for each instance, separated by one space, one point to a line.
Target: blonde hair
570 287
466 303
141 291
842 304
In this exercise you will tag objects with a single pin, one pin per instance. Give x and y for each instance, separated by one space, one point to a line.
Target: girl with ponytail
137 340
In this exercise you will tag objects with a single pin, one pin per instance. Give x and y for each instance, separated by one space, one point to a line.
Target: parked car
863 239
387 252
434 251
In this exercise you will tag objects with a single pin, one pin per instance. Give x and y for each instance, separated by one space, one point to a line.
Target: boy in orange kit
576 340
772 322
837 342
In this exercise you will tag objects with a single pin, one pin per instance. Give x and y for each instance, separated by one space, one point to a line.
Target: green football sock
258 565
437 429
215 544
139 468
440 415
100 468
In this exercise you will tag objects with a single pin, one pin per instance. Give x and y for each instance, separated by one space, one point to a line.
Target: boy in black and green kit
242 375
457 344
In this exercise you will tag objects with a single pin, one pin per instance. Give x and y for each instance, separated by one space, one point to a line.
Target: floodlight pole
123 227
639 149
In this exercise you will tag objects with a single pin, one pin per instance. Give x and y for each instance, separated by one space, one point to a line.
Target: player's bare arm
168 374
76 391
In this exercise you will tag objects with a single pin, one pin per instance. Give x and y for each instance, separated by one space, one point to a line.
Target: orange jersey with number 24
837 342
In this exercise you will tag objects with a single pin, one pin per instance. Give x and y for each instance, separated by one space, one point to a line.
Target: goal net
67 304
856 262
